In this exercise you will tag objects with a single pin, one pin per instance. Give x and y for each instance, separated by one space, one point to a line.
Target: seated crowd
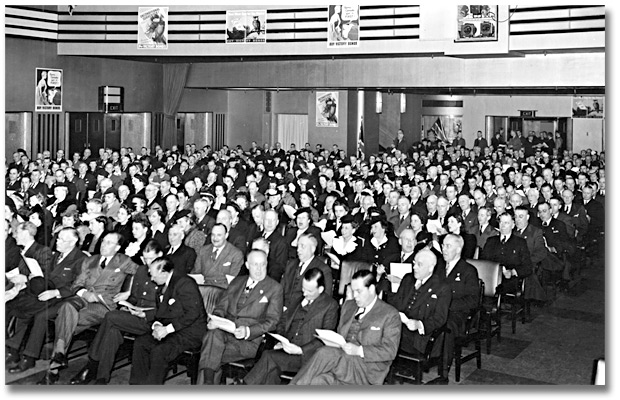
161 246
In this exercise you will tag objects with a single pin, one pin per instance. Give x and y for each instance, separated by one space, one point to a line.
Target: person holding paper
24 236
180 320
95 288
303 220
423 301
315 310
40 294
254 304
109 338
371 329
407 241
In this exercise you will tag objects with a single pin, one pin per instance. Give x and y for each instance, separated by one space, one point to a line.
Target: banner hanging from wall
246 26
476 23
153 28
343 26
327 109
48 90
588 107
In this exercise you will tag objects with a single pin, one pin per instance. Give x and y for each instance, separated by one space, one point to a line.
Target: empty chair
473 334
490 273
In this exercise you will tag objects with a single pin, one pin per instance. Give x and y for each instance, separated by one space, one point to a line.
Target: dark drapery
175 77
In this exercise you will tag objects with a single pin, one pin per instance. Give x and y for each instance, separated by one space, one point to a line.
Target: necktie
418 285
359 313
402 219
503 240
305 303
102 265
214 254
171 250
249 287
61 256
402 258
566 209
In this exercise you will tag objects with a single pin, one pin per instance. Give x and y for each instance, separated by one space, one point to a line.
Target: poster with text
153 28
588 107
327 109
246 26
476 23
48 92
343 26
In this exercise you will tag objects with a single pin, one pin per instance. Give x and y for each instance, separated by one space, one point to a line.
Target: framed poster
48 90
343 26
327 109
588 107
476 23
153 28
246 26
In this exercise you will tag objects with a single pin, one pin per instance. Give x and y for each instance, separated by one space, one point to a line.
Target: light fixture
379 102
403 103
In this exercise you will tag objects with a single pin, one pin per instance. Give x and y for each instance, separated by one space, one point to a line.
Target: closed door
96 133
78 132
112 128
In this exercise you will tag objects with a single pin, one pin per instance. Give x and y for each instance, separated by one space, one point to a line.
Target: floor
557 347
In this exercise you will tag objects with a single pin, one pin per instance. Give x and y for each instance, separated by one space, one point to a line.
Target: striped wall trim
558 31
442 103
550 8
561 19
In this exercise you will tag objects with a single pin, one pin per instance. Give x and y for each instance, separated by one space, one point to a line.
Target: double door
93 130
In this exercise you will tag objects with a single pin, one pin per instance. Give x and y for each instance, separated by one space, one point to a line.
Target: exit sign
527 113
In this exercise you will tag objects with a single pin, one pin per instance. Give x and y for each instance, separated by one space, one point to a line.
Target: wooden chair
474 334
189 359
518 305
408 366
490 273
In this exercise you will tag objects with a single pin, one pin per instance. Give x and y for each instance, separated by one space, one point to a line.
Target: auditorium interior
423 69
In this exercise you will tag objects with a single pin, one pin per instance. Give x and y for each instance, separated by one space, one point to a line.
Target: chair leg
489 335
418 374
513 312
478 354
457 362
192 368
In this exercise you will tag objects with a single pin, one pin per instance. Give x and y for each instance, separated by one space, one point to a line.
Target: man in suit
236 233
391 207
179 323
278 250
407 242
41 293
315 310
254 304
183 257
109 338
538 252
424 299
204 222
402 220
218 262
371 329
295 268
462 279
95 290
594 239
24 236
485 230
577 213
469 213
557 242
93 240
511 252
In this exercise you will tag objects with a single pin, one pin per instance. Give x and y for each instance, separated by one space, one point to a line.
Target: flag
439 130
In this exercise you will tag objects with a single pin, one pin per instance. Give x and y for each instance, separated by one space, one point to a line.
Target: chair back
210 296
490 273
347 269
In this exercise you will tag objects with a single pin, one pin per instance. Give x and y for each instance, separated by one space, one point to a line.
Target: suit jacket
181 305
106 282
205 225
430 306
260 312
470 222
292 234
536 245
88 241
228 262
513 254
291 280
389 213
464 286
278 256
579 221
62 275
144 291
488 232
379 336
556 236
42 254
596 212
398 225
321 314
184 259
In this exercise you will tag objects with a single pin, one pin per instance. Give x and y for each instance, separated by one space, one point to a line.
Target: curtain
292 128
175 77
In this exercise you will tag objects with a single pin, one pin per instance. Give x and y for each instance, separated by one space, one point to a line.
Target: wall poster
343 26
588 107
327 109
476 23
153 28
246 26
48 90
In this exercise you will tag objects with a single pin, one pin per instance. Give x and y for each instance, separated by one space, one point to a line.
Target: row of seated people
255 303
